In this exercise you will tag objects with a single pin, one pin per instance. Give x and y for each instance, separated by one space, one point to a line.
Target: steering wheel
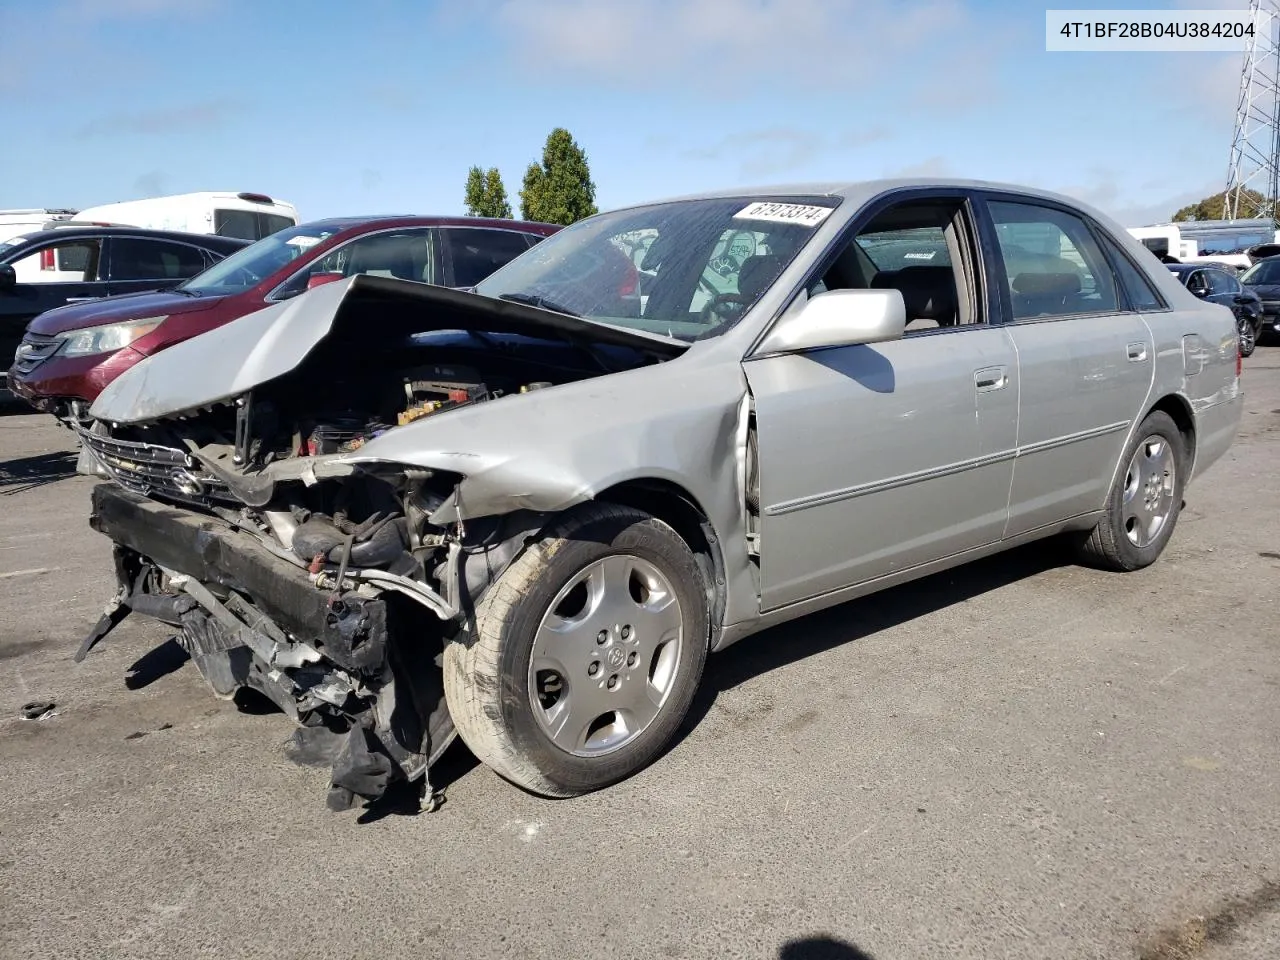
721 299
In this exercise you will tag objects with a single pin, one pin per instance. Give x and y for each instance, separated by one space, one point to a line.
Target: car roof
357 223
1188 267
861 191
89 231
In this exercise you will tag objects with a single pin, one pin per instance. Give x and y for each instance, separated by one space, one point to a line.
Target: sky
381 106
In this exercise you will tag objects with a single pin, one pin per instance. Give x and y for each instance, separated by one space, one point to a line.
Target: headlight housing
107 338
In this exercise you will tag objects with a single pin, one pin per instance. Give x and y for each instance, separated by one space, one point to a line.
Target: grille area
155 471
33 351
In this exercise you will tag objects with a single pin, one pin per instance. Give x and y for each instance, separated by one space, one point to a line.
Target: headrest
1047 284
756 273
657 251
929 293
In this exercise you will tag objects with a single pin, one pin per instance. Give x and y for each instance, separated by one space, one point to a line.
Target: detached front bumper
329 658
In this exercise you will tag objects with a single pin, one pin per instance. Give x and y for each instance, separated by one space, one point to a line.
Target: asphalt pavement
1021 758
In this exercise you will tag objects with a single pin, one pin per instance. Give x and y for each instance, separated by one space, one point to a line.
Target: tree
1214 207
559 190
486 194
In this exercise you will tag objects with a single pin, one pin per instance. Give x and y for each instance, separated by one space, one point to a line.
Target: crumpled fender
549 449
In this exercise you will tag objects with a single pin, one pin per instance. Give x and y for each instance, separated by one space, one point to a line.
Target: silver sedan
527 512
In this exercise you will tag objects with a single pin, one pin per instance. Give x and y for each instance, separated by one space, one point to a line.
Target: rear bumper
1216 428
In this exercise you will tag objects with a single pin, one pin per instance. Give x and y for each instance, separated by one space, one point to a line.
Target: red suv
70 354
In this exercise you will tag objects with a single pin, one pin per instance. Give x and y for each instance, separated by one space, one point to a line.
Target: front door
878 458
55 273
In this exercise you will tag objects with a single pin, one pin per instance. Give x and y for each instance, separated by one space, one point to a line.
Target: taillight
46 259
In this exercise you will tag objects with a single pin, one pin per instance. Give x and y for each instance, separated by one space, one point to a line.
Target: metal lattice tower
1255 145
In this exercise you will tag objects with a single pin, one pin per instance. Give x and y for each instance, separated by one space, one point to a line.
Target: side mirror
1199 291
839 318
320 279
8 277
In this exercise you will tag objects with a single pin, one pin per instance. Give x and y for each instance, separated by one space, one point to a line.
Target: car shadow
821 948
156 663
849 622
28 473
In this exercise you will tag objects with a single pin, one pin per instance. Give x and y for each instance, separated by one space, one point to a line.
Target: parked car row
186 284
524 511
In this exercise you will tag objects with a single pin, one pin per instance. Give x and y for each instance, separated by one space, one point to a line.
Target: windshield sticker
303 242
801 213
920 256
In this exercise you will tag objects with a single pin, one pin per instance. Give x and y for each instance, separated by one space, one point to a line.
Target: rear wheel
585 654
1145 499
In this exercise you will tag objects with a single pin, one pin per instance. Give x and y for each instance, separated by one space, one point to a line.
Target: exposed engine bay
324 585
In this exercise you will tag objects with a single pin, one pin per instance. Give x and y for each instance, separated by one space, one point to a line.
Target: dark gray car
1263 278
70 264
529 512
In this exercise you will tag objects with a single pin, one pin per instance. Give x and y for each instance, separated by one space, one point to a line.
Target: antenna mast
1253 176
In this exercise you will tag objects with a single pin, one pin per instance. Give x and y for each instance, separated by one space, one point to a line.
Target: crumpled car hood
261 346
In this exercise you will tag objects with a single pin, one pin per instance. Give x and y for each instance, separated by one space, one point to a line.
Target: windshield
687 269
1267 271
249 266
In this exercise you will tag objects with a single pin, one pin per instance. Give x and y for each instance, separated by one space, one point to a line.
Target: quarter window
1135 283
1053 266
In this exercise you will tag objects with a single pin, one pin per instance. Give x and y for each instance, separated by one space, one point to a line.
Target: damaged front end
330 587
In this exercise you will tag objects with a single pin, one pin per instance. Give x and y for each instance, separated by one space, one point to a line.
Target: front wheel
1248 335
585 654
1145 499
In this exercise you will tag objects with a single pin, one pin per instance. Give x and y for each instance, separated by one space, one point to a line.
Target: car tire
582 622
1248 332
1145 500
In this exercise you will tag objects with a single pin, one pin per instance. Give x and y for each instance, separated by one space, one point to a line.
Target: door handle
1137 352
990 378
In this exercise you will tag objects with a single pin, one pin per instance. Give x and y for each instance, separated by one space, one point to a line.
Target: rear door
51 274
472 253
135 264
1085 357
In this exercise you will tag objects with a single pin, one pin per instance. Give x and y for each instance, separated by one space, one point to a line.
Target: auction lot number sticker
1154 31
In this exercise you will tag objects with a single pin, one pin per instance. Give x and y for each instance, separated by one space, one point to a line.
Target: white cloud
736 48
928 167
777 150
205 115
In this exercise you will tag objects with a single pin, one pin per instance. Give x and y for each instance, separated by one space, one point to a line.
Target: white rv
16 222
249 216
1216 241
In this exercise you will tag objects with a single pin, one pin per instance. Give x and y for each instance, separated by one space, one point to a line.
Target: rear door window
1053 266
134 258
1220 283
236 223
476 252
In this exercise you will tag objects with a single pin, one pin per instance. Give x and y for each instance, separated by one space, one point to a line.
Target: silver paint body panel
878 463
